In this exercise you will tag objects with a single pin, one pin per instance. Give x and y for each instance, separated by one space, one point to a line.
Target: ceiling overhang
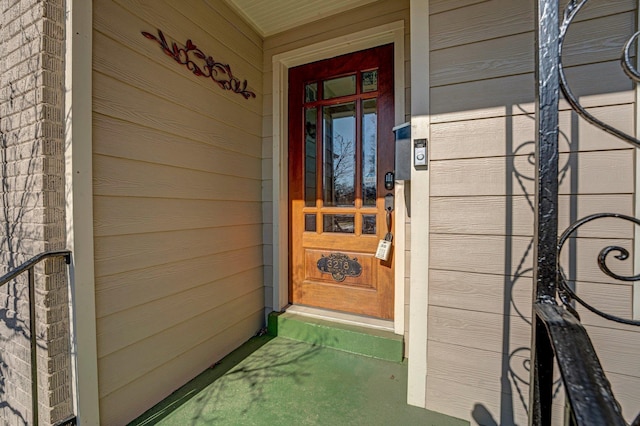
274 16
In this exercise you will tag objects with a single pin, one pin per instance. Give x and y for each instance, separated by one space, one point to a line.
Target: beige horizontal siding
172 147
477 215
118 100
125 328
501 18
177 201
596 40
482 200
485 407
439 6
187 328
148 389
512 135
141 179
594 172
514 94
626 388
172 215
159 281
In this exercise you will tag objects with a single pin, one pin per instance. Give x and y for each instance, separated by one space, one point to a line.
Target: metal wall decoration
209 68
339 266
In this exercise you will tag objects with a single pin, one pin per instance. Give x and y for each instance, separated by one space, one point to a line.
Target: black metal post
34 347
546 214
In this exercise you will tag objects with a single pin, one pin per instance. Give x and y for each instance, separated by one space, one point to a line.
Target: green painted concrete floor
276 381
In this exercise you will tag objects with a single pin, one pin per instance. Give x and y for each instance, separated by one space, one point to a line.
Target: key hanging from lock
384 246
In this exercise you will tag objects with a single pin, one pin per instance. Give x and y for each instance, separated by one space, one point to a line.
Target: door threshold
341 317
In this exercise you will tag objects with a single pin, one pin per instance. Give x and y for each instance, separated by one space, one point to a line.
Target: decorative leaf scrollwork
218 72
567 294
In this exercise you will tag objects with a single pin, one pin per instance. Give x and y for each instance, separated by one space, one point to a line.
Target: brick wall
32 207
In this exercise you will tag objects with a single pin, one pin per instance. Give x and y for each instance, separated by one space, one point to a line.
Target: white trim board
377 36
79 208
419 284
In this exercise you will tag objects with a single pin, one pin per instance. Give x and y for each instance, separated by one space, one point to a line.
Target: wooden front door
340 148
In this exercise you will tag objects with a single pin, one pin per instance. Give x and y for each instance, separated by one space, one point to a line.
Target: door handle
389 200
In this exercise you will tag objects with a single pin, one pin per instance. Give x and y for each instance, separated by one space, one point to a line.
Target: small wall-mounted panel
403 151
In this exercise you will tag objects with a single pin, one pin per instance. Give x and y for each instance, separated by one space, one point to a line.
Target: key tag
384 248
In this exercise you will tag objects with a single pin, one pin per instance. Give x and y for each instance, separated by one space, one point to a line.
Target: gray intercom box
403 151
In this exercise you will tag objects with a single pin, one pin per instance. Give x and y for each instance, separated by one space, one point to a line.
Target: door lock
389 180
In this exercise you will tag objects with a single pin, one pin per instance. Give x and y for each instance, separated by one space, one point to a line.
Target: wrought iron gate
557 329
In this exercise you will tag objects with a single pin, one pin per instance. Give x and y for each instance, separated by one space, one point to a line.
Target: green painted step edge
373 343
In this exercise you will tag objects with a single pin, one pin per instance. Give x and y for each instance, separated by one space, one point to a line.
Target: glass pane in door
310 222
369 81
342 223
339 148
311 92
310 144
369 152
341 86
368 224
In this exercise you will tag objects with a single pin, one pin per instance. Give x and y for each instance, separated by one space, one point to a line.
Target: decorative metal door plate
339 266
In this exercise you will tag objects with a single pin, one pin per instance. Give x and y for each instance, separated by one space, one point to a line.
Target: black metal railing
557 330
28 267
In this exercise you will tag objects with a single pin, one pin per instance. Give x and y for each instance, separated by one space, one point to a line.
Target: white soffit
270 17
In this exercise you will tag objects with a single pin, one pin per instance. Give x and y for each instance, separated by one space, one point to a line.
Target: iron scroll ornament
339 266
630 70
218 72
567 294
564 291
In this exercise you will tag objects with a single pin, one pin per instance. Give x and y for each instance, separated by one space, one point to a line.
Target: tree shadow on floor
241 377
